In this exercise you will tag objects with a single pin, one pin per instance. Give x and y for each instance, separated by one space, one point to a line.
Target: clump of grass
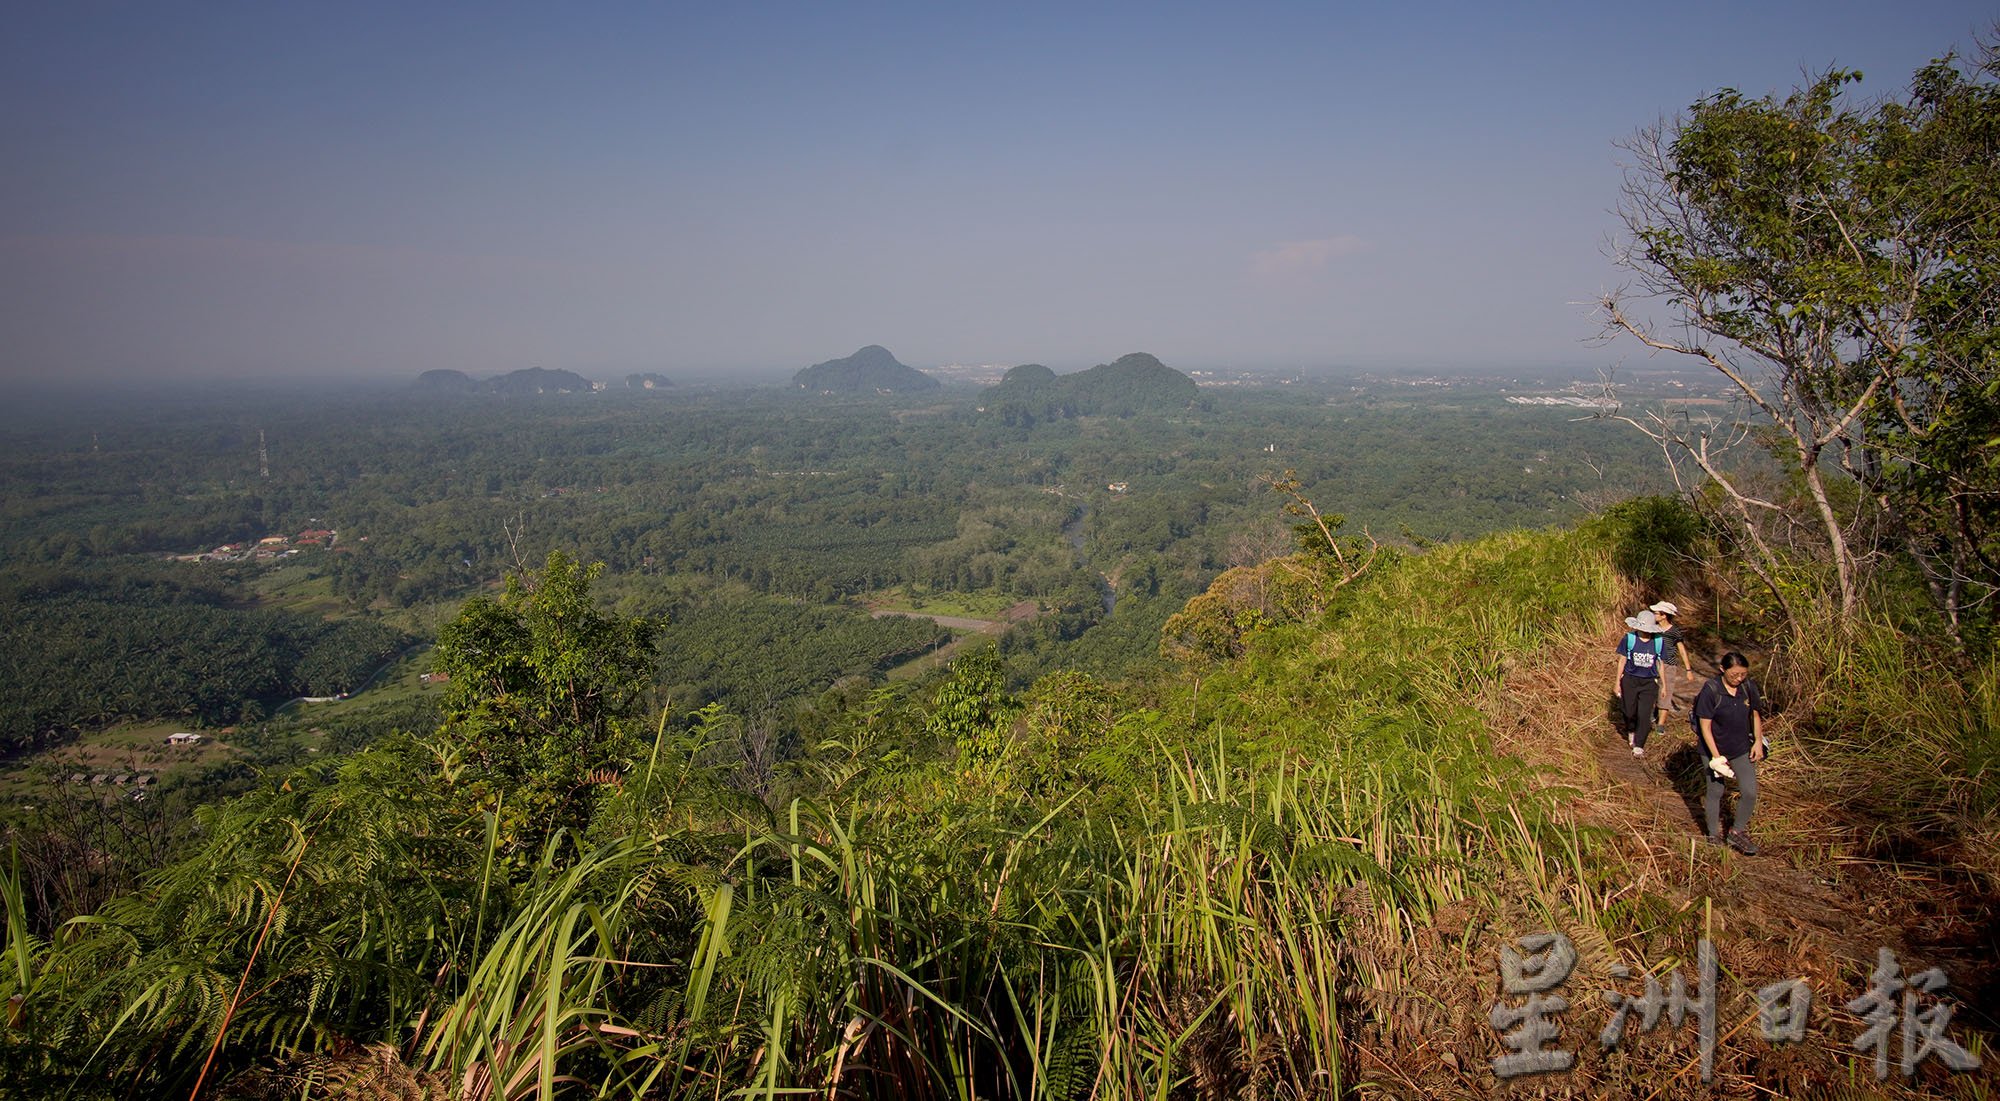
1897 731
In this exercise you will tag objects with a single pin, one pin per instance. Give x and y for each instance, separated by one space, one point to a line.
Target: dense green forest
91 644
757 525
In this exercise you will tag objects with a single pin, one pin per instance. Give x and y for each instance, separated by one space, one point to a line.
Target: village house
186 739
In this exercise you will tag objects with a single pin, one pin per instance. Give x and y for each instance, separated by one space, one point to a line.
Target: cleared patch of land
128 749
915 600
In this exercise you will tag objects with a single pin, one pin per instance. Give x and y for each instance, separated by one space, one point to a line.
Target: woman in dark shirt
1727 714
1676 666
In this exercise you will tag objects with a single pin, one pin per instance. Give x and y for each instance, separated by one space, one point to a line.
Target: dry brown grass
1806 908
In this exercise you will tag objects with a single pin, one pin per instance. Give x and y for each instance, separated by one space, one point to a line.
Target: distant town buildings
1575 400
265 548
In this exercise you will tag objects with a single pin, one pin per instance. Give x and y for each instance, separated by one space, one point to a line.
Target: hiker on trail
1728 714
1640 655
1676 656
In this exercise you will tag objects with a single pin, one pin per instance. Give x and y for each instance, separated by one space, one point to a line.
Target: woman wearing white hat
1677 655
1640 655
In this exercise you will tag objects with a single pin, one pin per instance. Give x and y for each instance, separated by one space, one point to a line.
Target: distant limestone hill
447 382
1028 376
540 380
1137 383
872 370
532 380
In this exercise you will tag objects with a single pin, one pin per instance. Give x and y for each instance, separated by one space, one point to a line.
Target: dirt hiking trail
1817 904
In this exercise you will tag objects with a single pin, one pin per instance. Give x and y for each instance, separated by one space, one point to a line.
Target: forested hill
871 370
1131 385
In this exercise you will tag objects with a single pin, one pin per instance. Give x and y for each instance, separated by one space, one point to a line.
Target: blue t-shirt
1642 655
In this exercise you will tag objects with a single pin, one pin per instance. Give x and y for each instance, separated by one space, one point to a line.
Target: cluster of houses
136 783
270 546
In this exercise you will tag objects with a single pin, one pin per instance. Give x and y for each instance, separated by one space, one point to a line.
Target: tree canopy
542 686
1836 262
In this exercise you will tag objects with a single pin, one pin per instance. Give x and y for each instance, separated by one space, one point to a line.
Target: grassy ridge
1176 903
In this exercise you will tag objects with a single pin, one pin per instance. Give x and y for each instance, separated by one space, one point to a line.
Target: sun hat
1666 607
1644 621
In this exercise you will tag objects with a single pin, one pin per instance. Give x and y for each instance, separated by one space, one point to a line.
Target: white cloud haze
1294 258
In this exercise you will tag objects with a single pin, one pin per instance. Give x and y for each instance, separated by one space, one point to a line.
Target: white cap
1665 606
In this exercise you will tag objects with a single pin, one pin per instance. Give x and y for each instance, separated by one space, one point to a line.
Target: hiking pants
1746 795
1638 697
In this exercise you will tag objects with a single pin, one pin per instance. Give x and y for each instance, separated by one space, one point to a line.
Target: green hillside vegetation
1011 887
1130 385
1085 888
538 380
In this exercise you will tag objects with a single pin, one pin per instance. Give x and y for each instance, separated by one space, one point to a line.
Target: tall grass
1898 729
1207 905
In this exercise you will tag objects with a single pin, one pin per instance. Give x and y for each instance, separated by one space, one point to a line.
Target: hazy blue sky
287 189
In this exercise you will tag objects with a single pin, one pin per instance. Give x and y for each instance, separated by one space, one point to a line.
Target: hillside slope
1506 644
1287 868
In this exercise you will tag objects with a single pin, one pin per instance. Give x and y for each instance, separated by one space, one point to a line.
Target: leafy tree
1653 537
1318 533
1064 717
973 709
1839 265
542 689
